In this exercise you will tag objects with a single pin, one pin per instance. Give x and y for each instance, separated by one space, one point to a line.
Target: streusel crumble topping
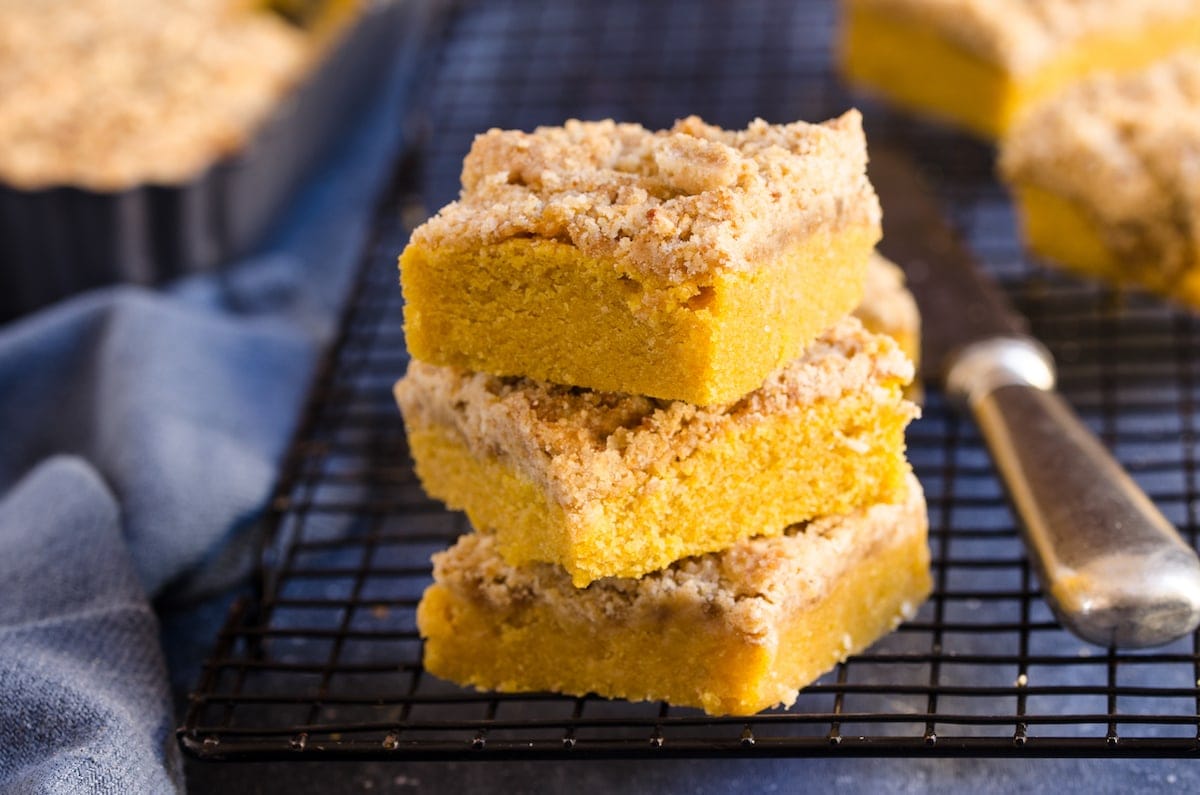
674 203
581 444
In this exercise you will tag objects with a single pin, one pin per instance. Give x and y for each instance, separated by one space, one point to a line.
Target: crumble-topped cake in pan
1107 178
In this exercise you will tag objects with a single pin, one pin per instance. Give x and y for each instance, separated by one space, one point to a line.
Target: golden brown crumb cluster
107 94
748 587
581 444
673 203
1023 35
887 305
1127 149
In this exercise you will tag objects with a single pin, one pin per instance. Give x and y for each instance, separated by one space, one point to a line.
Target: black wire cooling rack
325 661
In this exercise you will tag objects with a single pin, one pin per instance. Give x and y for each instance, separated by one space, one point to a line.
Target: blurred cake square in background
980 64
1107 178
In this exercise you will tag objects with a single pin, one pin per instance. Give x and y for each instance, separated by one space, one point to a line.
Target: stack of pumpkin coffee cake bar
637 368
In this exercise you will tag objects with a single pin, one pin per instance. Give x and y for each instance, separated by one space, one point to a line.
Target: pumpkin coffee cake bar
732 632
605 484
1107 178
982 63
684 264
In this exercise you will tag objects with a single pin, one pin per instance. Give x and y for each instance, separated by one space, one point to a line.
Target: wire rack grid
325 661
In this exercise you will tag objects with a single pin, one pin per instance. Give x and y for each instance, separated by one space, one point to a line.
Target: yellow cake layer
915 65
609 485
732 633
542 309
1061 231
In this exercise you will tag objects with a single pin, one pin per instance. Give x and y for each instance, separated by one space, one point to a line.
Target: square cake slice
1107 178
732 632
684 264
982 63
605 484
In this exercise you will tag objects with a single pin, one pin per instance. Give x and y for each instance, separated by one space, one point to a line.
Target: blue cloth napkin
86 708
140 434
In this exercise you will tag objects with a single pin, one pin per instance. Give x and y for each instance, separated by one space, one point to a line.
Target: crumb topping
1126 148
887 304
107 94
1024 35
581 444
673 203
749 587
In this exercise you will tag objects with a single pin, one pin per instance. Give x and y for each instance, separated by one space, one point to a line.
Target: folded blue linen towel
140 433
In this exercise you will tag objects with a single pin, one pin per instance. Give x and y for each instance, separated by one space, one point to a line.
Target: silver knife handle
1112 567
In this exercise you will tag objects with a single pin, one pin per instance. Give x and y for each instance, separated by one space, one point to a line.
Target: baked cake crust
731 632
1123 153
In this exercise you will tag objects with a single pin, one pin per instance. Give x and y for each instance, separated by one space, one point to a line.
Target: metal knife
1113 569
